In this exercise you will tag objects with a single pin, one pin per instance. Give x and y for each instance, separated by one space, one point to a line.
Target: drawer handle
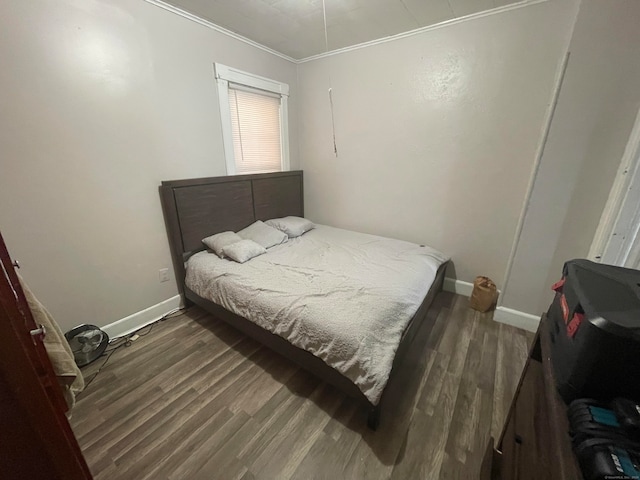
39 332
518 439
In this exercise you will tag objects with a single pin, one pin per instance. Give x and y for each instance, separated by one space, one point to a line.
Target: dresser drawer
535 442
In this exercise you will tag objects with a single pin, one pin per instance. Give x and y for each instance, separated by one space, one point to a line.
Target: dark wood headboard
199 207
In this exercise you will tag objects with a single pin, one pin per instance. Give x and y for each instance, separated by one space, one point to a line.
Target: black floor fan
87 343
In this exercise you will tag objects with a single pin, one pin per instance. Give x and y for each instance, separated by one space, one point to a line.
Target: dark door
36 441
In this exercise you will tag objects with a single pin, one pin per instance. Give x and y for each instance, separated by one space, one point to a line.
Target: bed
297 297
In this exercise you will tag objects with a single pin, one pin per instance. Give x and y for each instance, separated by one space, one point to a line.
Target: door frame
29 382
619 226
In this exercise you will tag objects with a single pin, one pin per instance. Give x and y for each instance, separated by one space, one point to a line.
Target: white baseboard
140 319
516 318
506 315
457 286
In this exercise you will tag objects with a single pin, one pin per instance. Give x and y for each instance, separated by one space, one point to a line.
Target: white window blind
256 130
255 121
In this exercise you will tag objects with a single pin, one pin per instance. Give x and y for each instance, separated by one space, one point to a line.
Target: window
253 111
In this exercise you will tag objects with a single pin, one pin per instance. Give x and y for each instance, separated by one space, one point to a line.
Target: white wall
100 101
596 110
436 133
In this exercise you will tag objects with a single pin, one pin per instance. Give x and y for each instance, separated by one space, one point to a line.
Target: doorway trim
620 220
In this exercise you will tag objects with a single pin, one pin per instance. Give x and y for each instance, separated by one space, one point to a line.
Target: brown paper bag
484 295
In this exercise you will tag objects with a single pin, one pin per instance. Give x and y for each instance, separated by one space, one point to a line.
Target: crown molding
218 28
428 28
410 33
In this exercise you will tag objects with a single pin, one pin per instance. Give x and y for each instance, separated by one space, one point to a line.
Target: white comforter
345 297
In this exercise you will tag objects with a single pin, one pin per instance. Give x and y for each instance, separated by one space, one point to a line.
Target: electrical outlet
163 274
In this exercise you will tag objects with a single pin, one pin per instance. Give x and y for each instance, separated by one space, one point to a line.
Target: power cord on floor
86 385
172 314
127 340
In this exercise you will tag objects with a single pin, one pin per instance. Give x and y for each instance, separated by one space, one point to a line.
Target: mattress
343 296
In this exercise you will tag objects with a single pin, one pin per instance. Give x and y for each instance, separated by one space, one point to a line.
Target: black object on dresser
604 459
594 324
605 438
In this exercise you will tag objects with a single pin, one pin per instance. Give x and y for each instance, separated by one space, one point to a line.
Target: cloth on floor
58 349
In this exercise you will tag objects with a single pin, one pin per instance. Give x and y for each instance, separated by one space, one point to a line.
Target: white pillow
292 226
263 234
243 250
218 241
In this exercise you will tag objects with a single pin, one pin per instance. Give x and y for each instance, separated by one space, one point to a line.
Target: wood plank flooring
196 399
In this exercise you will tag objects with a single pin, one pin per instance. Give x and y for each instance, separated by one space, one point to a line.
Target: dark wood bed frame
197 208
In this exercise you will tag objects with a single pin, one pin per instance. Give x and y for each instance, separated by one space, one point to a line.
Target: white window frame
224 75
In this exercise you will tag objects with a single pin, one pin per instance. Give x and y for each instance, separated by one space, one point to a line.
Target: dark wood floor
196 399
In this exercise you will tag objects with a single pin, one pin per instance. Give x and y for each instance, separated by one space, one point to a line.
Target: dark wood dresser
534 443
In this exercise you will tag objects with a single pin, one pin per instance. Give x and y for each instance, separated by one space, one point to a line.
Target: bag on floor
484 295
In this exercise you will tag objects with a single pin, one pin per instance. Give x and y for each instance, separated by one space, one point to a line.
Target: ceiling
296 27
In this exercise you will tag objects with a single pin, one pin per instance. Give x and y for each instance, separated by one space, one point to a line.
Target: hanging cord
326 46
326 36
333 123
